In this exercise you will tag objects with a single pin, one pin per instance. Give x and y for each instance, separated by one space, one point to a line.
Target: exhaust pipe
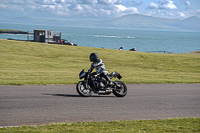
104 92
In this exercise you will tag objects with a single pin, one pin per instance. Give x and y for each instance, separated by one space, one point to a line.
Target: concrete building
46 36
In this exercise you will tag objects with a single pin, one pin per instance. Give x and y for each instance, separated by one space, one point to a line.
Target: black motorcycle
98 84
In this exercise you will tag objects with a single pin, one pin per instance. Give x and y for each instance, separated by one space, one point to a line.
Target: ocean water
144 41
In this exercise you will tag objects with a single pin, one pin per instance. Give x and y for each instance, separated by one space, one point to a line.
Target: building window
41 33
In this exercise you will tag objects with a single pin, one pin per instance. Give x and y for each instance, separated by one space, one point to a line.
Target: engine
101 83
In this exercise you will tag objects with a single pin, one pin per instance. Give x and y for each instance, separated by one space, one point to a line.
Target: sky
97 9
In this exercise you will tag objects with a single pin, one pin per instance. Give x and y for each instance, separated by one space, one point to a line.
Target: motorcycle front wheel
82 90
120 90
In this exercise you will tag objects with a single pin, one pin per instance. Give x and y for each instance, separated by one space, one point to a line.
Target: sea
141 40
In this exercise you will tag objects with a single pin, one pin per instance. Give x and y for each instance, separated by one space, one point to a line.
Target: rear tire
82 90
121 89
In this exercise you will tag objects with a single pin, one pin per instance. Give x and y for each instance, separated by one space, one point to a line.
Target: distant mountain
198 15
143 22
134 21
191 23
152 23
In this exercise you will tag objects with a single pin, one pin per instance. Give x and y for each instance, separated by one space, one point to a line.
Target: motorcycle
98 84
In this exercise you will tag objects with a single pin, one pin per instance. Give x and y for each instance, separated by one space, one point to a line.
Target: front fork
85 84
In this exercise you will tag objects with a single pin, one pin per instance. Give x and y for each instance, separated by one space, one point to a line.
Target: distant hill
143 22
8 31
192 23
152 23
134 21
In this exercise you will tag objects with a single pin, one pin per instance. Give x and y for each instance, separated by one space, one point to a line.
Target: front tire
120 90
82 90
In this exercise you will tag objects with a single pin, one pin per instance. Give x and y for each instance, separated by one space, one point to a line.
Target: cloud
153 6
167 5
87 1
187 4
169 9
181 14
126 10
3 6
95 9
110 2
134 3
165 8
121 7
103 9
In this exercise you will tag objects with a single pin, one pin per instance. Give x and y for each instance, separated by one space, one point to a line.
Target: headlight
82 75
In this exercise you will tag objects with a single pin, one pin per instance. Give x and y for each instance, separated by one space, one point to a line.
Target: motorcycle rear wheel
120 90
82 90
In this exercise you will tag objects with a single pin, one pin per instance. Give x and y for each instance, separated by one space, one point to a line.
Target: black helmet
93 57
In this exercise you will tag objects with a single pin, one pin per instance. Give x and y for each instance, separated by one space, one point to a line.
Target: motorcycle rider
100 67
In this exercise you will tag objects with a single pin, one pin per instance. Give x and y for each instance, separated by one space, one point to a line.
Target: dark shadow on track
71 95
63 95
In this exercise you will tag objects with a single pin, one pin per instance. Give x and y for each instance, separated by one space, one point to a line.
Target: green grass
186 125
38 63
8 30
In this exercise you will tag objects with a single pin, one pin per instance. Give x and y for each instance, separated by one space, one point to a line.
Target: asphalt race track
44 104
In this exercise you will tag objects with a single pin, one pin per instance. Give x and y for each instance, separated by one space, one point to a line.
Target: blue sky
98 9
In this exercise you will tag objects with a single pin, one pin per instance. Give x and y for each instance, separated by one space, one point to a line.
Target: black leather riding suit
100 69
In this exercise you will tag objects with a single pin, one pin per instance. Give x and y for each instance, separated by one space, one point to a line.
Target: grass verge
186 125
38 63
